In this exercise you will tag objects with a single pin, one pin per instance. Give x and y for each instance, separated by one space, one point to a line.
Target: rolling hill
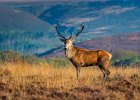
104 23
129 43
23 32
11 19
101 18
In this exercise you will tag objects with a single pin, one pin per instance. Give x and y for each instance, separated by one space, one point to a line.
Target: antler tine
59 33
79 31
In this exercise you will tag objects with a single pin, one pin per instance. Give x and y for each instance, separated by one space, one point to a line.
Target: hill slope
128 42
23 32
101 19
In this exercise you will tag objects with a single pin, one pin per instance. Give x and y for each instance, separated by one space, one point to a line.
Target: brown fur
83 57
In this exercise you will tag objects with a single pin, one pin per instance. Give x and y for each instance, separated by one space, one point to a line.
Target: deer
81 57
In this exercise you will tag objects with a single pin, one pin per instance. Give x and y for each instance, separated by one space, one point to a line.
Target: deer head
68 41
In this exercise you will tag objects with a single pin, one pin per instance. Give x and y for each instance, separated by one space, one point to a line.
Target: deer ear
63 40
73 38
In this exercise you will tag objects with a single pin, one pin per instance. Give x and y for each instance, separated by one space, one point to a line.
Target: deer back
84 57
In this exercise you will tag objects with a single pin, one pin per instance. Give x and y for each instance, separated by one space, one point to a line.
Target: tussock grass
44 81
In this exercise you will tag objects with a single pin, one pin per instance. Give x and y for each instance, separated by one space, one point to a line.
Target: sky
46 0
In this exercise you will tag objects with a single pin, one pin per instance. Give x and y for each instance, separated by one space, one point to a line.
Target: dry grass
37 82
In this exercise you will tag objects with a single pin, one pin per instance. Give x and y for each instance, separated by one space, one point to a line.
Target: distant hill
25 27
112 44
16 19
129 42
100 18
24 32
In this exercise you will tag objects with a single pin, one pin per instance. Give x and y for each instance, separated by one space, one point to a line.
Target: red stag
81 57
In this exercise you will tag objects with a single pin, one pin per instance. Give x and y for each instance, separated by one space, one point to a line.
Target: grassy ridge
26 81
120 58
58 62
28 77
13 57
125 58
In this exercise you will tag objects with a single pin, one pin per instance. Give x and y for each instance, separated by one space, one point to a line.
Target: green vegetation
9 56
31 59
58 62
125 58
13 57
20 40
132 61
120 58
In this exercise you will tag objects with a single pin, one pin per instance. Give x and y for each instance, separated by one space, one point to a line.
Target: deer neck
70 51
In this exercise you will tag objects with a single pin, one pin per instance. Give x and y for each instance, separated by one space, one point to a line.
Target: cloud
109 10
116 10
67 24
80 20
98 30
134 26
94 32
102 28
75 21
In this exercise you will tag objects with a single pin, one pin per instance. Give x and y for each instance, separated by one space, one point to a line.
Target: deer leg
103 71
78 71
107 72
105 67
104 64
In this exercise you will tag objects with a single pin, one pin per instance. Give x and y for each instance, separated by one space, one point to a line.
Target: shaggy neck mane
70 51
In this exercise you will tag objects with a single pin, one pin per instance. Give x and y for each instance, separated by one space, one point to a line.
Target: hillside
101 19
16 19
23 32
128 42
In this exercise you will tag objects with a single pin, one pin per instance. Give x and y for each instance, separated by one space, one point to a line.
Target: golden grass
29 80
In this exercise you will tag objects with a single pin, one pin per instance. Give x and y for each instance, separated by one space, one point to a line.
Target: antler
59 33
79 31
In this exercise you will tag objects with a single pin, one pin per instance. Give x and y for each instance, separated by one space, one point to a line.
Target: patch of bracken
5 87
124 86
61 95
134 77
